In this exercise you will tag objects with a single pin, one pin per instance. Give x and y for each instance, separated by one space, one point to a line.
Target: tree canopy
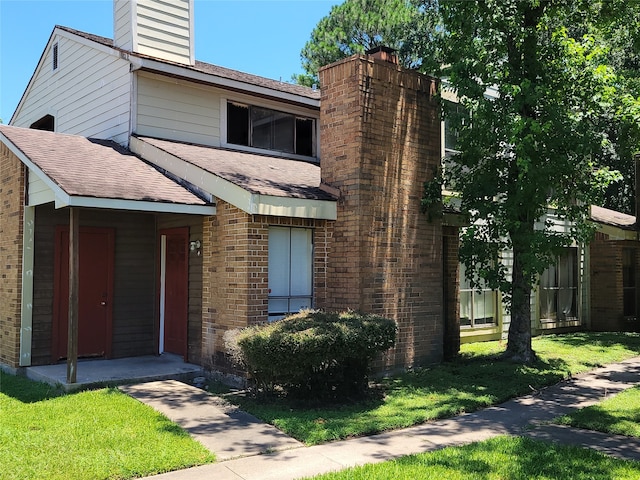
539 144
561 121
356 26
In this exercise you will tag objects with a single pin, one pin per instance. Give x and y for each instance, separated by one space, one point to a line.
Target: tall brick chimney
380 137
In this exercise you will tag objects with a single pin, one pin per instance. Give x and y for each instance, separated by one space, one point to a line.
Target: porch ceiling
98 173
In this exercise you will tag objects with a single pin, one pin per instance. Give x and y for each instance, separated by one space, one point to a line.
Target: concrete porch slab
98 373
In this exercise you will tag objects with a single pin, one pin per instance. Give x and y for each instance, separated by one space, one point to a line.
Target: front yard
88 435
105 434
476 380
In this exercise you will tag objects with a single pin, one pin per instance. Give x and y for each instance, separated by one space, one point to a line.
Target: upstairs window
259 127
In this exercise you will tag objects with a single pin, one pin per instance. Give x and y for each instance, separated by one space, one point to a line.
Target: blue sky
263 37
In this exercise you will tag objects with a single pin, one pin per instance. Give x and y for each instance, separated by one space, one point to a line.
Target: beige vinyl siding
164 30
39 193
177 110
88 94
122 18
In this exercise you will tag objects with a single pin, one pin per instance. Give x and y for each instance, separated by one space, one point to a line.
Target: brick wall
235 274
607 303
380 140
11 225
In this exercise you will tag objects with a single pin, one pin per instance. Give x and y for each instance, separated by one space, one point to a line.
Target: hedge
314 353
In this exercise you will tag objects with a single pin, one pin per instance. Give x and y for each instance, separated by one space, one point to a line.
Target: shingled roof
260 174
214 70
613 218
96 168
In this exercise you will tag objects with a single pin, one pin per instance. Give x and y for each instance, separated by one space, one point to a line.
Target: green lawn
513 458
619 415
87 435
476 380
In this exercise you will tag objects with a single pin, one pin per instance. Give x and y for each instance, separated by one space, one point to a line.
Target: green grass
93 434
512 458
476 380
619 415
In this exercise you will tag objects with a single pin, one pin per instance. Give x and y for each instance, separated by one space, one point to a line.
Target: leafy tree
618 24
538 144
356 26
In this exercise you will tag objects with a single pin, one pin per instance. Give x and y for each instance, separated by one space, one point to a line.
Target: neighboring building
201 202
589 287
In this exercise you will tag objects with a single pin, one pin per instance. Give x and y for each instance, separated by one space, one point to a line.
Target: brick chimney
386 54
158 28
380 137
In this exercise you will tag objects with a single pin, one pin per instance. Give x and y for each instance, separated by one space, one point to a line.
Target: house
184 200
196 199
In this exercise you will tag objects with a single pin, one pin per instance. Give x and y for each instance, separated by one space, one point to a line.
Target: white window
559 289
290 270
478 305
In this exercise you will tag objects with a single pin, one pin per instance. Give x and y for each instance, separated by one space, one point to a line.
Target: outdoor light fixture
195 245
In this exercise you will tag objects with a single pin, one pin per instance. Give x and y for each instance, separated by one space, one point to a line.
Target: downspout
26 307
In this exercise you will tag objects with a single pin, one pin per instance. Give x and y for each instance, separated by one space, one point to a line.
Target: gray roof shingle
611 217
96 168
260 174
215 70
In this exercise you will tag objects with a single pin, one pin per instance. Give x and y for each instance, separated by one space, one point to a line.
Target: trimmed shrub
314 354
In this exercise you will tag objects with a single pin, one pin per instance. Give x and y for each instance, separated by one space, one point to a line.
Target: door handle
103 303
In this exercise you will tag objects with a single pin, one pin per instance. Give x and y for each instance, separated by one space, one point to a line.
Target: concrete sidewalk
222 428
527 415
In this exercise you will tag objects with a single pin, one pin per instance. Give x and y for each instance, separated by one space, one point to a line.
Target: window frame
473 291
630 254
296 112
290 265
575 288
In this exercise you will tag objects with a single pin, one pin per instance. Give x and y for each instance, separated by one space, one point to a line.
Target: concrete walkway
528 415
222 428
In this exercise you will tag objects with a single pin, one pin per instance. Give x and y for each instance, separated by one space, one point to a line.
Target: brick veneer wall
235 274
380 140
607 302
11 234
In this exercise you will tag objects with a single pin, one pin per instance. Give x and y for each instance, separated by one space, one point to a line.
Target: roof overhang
252 203
179 71
63 199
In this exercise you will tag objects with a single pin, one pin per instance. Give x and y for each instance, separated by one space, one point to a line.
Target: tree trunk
519 340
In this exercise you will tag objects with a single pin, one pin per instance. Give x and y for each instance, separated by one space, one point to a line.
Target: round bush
314 353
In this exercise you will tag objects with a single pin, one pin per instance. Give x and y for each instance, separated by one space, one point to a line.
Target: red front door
95 293
176 286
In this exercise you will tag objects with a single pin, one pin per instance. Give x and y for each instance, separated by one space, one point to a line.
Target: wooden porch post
74 267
